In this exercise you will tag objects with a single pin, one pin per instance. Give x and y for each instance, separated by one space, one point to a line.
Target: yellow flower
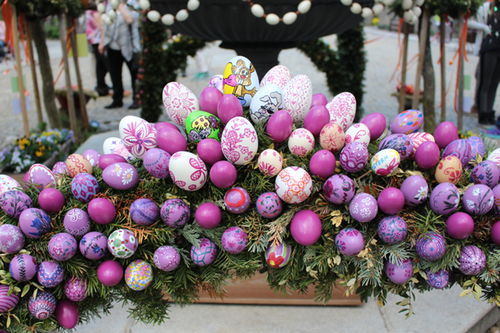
38 153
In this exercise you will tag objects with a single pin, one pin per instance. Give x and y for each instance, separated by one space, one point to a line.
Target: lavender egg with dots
415 190
486 173
399 273
472 260
94 245
155 162
166 258
205 253
76 222
400 143
11 239
439 279
43 305
75 289
444 199
175 213
339 189
144 211
350 241
50 274
234 240
431 246
363 207
269 205
478 199
84 186
354 157
62 246
22 267
392 229
13 203
34 222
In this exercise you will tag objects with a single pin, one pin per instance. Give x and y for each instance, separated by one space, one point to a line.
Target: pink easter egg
399 273
279 126
459 225
495 233
427 155
51 200
92 156
75 289
208 215
171 140
107 159
165 124
121 176
317 117
229 107
306 227
209 99
322 164
223 174
376 123
101 210
319 99
110 273
350 241
445 133
67 314
155 162
391 200
60 168
209 150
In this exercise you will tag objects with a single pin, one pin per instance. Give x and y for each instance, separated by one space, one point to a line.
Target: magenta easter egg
43 305
22 267
392 229
11 239
205 253
495 233
476 147
209 99
34 222
306 227
67 314
40 176
376 123
339 189
144 211
50 274
62 246
107 159
496 195
279 126
166 258
293 185
319 99
175 213
322 164
229 107
8 301
332 137
101 210
278 255
400 143
208 215
363 207
317 117
439 279
354 157
110 273
14 202
75 289
76 222
209 150
237 200
51 200
460 225
487 173
84 186
408 121
472 260
165 124
459 148
391 200
155 162
415 190
93 245
171 140
122 243
399 273
350 241
444 199
187 171
92 156
427 155
477 199
60 169
234 240
269 205
431 246
223 174
121 176
445 133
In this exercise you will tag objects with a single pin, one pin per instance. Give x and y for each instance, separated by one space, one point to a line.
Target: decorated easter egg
354 156
93 245
144 211
278 75
166 258
203 254
297 97
237 200
279 126
114 145
84 186
400 143
376 123
392 229
342 109
155 162
137 135
8 301
14 202
487 173
209 150
223 174
478 199
50 274
121 176
496 194
495 156
293 185
301 142
332 137
178 101
350 241
399 273
305 227
229 107
476 147
408 121
208 215
67 314
107 159
460 225
92 156
34 222
201 125
278 255
171 140
240 79
417 138
445 133
358 133
459 148
439 279
431 246
187 171
138 275
427 155
339 189
42 177
239 141
175 213
216 81
209 99
234 240
76 222
363 207
444 199
8 183
62 246
269 205
322 163
11 239
449 170
385 162
43 305
415 190
122 243
472 260
270 162
22 267
60 168
75 289
265 103
76 164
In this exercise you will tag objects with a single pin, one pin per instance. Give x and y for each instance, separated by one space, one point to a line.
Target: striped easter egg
7 302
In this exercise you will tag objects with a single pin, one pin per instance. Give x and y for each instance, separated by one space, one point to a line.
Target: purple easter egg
339 189
279 126
144 211
391 200
460 225
67 314
408 121
166 258
101 210
399 273
476 147
209 99
400 143
175 213
237 200
228 108
205 253
34 222
75 289
209 150
472 260
92 156
415 190
62 246
392 229
427 155
478 199
223 174
84 186
439 279
234 240
76 222
431 246
269 205
93 245
51 200
496 195
376 123
13 203
487 173
445 133
459 148
354 156
322 163
11 239
43 305
306 227
171 140
106 160
350 241
60 168
22 267
40 176
444 199
363 207
208 215
121 176
319 99
317 117
50 274
495 233
110 273
122 243
155 162
7 301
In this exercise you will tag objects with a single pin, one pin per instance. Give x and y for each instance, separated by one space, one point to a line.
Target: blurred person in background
3 49
94 30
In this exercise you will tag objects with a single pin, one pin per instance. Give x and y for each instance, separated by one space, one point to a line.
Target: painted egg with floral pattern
354 157
175 213
167 258
297 97
279 75
487 173
144 211
439 279
293 185
84 186
138 275
187 171
278 255
478 199
8 301
270 162
75 289
363 207
62 246
350 241
339 189
122 243
202 125
11 239
332 137
415 190
137 135
495 156
407 122
237 200
301 142
385 162
399 273
92 156
178 102
400 143
449 170
22 267
14 202
43 305
93 245
120 176
76 164
265 103
205 253
342 109
8 183
155 162
59 169
269 205
114 145
444 199
239 141
358 133
50 274
40 176
476 147
234 240
392 229
34 222
76 222
459 148
418 138
431 246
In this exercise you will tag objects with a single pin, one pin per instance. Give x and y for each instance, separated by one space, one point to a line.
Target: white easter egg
241 79
495 156
265 103
179 101
187 171
114 145
301 142
293 185
239 141
385 162
279 75
298 97
270 162
417 138
342 109
137 135
8 183
357 133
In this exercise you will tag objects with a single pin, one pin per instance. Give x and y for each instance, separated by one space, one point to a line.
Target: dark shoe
114 105
102 91
486 118
134 106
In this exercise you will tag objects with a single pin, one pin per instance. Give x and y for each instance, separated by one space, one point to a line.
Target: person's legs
133 67
487 71
492 91
115 60
100 71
